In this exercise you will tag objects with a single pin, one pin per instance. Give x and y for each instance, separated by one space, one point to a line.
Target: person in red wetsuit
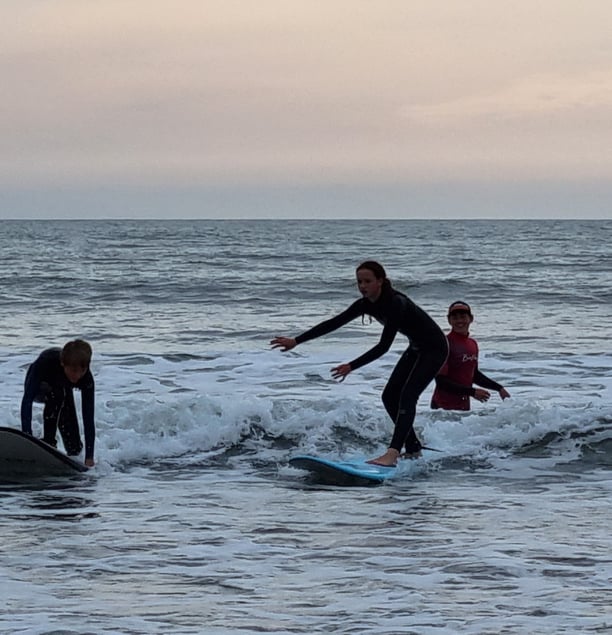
454 382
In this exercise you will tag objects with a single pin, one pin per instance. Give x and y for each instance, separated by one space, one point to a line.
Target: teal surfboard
342 472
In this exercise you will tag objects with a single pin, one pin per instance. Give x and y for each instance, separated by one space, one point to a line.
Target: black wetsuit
47 383
416 368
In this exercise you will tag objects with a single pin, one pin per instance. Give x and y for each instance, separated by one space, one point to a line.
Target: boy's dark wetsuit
47 383
417 366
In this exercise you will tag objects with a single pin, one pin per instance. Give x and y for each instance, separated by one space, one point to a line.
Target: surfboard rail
22 454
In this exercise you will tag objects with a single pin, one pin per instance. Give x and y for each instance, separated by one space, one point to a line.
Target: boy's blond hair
76 353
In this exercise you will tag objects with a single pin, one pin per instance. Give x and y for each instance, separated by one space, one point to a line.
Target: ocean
192 520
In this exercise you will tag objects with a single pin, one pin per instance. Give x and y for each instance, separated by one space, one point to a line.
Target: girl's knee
389 397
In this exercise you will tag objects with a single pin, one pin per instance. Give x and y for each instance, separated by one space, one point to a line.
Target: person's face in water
74 373
369 285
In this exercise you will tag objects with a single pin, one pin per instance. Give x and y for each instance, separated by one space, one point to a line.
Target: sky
306 108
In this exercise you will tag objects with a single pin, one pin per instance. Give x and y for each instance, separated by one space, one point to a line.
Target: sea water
193 522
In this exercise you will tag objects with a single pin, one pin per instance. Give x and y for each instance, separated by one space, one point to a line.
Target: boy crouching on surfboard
50 380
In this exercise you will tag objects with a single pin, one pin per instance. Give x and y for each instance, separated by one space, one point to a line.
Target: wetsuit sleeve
450 386
480 379
384 344
332 324
87 405
31 385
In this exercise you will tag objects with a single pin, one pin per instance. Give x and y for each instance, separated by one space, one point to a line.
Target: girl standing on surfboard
416 368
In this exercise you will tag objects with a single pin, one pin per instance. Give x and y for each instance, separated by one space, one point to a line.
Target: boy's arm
450 386
88 407
30 388
480 379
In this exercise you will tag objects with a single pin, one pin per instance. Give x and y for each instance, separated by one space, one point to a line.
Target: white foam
150 407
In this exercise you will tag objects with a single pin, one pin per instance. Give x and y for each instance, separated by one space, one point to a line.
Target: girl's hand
284 343
340 372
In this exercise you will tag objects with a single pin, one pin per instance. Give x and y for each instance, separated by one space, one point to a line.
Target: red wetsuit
455 379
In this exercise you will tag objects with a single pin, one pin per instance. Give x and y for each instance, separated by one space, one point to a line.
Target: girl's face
369 285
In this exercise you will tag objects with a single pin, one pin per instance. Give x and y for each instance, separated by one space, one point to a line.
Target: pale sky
375 108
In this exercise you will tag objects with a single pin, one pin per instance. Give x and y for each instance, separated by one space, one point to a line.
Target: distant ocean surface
193 522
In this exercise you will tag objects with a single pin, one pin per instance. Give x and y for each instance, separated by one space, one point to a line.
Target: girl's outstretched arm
284 343
340 372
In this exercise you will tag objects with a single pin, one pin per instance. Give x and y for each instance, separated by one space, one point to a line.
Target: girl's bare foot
388 459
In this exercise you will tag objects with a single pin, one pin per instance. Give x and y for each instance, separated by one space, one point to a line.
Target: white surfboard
22 454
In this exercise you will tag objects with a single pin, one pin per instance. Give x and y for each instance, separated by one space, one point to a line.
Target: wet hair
76 353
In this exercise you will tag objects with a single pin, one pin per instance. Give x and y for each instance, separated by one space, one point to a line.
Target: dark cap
460 306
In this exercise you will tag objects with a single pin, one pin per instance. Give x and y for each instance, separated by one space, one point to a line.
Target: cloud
128 91
535 96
